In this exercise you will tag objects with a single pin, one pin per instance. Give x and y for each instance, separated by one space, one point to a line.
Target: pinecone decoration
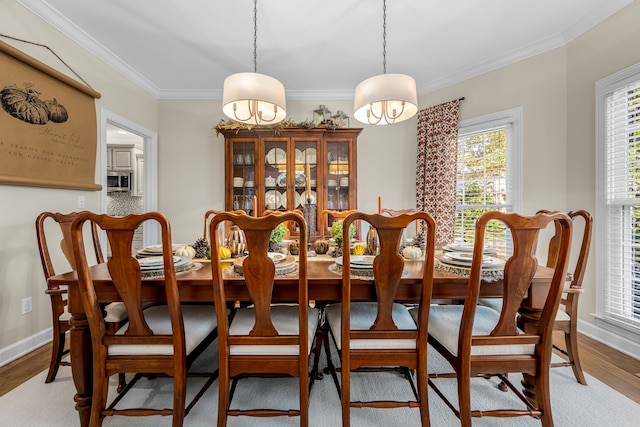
420 241
201 246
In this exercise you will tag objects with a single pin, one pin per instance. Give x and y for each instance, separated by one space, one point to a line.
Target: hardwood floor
613 368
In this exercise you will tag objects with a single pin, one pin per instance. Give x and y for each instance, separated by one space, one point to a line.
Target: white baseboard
615 341
14 351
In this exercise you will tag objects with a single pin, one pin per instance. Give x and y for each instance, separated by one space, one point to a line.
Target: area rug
35 403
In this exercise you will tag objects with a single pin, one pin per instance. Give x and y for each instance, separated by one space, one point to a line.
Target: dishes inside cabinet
275 155
283 200
310 155
299 156
272 199
301 180
281 180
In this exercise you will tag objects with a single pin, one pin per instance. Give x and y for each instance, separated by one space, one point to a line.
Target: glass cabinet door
275 174
338 177
244 175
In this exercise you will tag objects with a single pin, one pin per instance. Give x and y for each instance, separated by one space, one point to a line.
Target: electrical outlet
80 202
27 305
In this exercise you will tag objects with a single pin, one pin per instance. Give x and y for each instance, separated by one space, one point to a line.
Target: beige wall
20 269
608 48
554 89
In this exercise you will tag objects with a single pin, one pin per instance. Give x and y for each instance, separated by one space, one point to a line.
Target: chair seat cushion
363 314
492 303
496 304
444 324
562 315
285 320
116 312
199 321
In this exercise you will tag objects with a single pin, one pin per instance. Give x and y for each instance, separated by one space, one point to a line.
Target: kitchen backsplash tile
120 204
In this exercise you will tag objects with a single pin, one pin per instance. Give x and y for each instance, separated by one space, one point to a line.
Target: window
488 173
618 199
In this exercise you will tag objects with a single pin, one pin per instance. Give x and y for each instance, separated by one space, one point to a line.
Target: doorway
118 131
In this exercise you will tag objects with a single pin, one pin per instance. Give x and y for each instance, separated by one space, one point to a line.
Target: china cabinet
290 168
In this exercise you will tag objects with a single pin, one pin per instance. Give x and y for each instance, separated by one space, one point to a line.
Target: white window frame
513 118
606 320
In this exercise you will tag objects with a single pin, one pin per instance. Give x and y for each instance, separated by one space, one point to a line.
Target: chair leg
99 400
223 396
345 400
122 382
423 391
56 356
464 399
330 369
179 398
571 342
315 373
543 397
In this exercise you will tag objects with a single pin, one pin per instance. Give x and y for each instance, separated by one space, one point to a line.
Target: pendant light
386 98
254 98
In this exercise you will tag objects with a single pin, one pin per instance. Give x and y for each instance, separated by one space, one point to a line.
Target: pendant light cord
255 36
384 36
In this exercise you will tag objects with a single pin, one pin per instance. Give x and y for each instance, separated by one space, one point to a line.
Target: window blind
484 181
621 296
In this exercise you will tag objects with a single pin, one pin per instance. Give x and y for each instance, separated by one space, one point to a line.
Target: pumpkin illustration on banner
26 105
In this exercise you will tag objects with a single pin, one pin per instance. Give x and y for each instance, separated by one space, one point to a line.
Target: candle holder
310 215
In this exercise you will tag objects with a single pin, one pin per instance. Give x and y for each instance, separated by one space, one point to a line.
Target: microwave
118 181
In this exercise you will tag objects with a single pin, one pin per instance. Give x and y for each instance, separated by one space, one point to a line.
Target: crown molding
50 15
68 28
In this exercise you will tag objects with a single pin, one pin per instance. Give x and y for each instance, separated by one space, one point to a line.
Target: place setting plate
358 262
463 259
274 155
277 257
155 250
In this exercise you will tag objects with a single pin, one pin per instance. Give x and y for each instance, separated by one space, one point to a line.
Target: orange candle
308 181
379 204
255 206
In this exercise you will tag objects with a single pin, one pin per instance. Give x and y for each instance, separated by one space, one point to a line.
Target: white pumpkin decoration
186 250
412 252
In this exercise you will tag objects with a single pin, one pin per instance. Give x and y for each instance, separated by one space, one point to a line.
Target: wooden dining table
196 286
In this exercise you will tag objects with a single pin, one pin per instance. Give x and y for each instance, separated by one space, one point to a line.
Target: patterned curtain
436 167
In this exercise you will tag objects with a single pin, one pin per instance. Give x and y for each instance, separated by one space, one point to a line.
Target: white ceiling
318 49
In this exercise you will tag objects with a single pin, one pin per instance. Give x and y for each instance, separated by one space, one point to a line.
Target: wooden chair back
388 268
396 212
57 296
568 324
519 270
519 338
125 273
153 340
259 274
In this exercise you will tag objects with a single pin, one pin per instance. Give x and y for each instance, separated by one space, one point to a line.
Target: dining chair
566 320
115 313
158 340
264 339
336 215
478 341
381 335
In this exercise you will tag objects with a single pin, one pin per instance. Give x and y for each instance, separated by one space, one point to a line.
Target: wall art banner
48 127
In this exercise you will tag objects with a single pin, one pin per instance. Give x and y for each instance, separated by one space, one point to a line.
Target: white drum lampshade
385 99
254 98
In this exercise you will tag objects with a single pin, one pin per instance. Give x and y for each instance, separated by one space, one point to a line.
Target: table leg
81 366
